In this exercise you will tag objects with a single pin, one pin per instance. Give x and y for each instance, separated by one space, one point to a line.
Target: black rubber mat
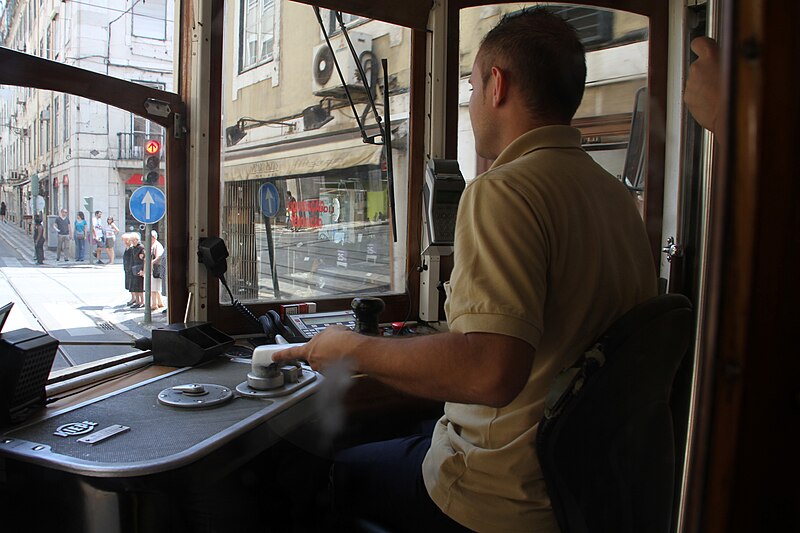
158 434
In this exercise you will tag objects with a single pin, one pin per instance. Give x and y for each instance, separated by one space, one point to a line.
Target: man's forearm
481 369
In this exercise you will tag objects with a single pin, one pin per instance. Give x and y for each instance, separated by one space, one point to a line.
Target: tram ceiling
641 7
411 13
414 13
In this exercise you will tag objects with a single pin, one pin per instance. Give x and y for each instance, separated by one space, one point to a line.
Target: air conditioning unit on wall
324 78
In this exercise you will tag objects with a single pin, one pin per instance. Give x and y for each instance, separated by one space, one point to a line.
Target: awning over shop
136 179
305 160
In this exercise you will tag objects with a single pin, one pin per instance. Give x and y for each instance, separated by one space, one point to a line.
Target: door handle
672 249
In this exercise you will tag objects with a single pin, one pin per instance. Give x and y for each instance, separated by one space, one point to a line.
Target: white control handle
262 355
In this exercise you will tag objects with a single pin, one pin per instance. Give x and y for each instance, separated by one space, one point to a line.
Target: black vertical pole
271 251
387 146
148 272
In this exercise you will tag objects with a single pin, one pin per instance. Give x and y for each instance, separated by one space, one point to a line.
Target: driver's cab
300 163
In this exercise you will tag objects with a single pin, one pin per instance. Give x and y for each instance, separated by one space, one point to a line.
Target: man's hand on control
323 349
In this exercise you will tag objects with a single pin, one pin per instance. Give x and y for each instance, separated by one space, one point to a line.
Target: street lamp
18 131
316 116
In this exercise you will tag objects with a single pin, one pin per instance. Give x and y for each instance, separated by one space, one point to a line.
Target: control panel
309 324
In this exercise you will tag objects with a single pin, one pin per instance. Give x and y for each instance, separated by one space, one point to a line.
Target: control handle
367 310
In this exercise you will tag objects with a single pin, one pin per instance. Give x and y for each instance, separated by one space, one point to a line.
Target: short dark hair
541 53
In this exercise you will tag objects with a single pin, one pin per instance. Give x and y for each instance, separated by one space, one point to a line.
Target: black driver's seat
606 444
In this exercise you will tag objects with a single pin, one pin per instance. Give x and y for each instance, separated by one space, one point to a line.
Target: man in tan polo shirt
549 251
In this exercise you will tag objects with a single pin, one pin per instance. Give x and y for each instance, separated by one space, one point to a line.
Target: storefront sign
307 214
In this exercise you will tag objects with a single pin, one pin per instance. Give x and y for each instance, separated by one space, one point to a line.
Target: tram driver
523 302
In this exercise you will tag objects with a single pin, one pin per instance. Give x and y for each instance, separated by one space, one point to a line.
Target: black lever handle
367 310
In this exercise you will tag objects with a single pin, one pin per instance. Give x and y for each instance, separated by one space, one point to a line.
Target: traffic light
88 204
152 162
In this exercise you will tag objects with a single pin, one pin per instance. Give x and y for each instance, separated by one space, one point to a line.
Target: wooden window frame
398 306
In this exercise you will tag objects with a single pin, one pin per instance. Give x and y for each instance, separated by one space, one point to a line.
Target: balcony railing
131 145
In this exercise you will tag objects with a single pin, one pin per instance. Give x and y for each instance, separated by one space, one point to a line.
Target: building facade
297 115
61 151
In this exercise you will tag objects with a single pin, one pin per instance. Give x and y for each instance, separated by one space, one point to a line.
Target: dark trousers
39 251
382 483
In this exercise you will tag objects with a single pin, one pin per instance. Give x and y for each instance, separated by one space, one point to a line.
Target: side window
617 64
69 264
74 155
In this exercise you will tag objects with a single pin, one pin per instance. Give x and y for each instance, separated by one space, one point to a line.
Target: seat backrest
606 443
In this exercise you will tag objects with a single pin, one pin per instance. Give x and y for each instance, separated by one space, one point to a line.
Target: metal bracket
158 108
180 130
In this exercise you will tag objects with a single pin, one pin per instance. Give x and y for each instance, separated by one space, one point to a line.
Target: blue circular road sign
270 199
148 204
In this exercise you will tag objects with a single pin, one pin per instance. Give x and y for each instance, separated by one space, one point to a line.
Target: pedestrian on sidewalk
62 226
38 240
137 269
99 234
3 210
156 252
164 277
111 231
127 265
291 206
80 236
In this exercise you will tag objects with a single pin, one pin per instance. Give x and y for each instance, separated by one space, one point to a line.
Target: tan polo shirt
550 249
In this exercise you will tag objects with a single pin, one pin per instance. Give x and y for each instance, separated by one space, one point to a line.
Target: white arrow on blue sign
270 199
148 204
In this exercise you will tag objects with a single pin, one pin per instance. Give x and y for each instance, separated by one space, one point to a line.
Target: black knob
367 310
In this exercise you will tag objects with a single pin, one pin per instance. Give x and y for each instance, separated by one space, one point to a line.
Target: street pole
148 268
271 251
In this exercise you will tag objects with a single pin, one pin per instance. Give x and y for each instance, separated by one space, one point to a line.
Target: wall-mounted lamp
19 131
235 133
316 116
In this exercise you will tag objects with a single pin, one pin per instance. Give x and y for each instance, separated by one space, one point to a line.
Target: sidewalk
105 302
